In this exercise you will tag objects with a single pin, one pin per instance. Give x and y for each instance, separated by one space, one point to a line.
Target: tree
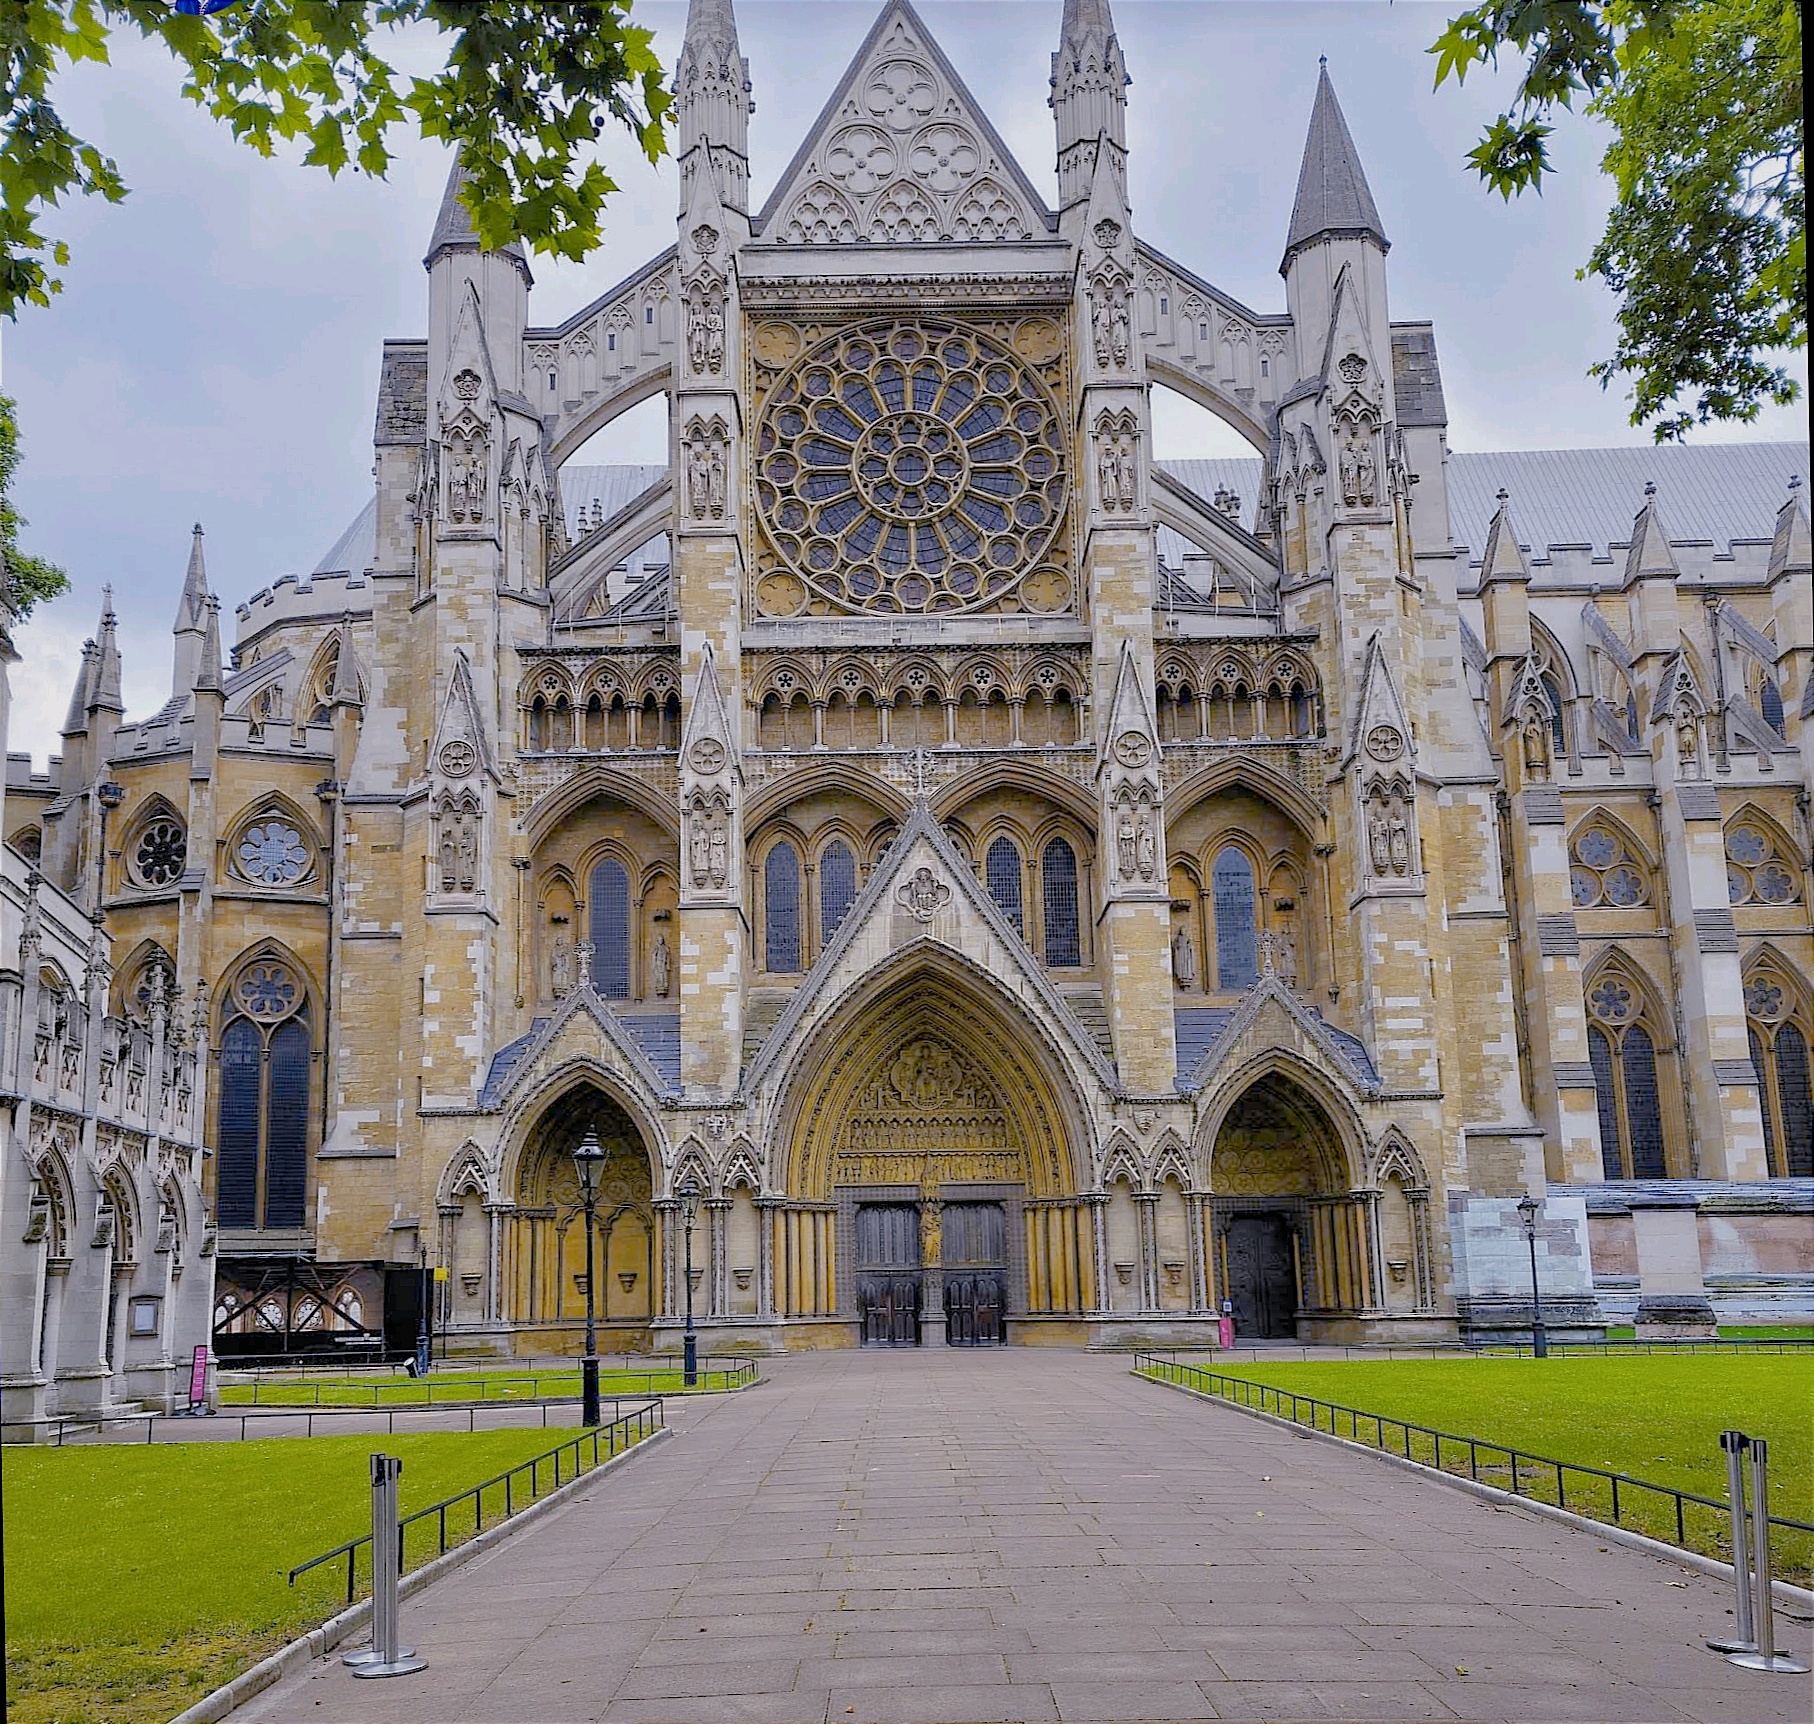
23 580
1706 245
525 90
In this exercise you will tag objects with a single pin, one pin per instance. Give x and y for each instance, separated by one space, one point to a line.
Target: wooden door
888 1274
1262 1280
975 1259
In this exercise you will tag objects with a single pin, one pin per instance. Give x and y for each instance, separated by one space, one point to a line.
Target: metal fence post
1735 1443
1763 1606
386 1657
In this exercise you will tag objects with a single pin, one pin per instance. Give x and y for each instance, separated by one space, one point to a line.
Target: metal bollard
1735 1443
385 1657
1763 1606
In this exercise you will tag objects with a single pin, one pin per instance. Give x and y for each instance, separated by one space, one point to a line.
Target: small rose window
1604 873
1756 871
271 852
158 857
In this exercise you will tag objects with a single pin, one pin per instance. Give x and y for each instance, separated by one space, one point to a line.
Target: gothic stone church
1029 892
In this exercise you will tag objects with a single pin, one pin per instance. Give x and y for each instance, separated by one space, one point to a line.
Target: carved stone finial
1650 489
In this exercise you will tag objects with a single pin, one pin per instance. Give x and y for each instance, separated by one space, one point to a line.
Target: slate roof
504 1064
402 394
1416 376
1197 1029
1332 196
356 549
658 1035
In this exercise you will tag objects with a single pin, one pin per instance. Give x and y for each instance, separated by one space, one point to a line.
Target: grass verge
138 1579
1656 1417
444 1388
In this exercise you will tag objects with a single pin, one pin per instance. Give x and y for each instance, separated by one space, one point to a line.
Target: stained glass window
781 906
837 887
236 1140
1795 1092
271 853
1757 872
610 920
158 858
1237 933
1002 869
1599 1050
1760 1063
287 1126
1770 699
1557 722
1623 1055
1058 872
1604 872
262 1126
1643 1107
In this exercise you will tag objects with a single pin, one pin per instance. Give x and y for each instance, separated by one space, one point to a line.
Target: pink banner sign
198 1377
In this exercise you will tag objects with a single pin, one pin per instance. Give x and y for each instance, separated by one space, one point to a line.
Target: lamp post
588 1162
689 1210
108 796
424 1292
1529 1208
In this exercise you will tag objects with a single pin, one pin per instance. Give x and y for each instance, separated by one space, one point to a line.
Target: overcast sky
215 353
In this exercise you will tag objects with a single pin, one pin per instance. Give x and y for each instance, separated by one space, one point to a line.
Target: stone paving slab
964 1537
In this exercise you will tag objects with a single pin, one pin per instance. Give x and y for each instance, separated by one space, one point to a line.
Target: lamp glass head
689 1199
1528 1209
588 1159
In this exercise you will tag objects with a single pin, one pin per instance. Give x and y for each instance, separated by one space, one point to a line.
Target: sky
214 355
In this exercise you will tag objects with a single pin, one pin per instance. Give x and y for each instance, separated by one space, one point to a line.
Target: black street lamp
424 1292
1529 1208
589 1162
689 1210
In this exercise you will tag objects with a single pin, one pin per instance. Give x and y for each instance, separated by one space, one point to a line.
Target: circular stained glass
272 853
1738 885
1773 883
910 467
162 849
266 990
1624 886
1612 1002
1746 844
1598 849
1764 1000
1584 883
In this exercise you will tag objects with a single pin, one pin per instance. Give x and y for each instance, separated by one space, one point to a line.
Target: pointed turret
76 723
1333 200
1650 552
191 618
712 105
1505 591
105 695
453 225
1089 99
209 676
501 279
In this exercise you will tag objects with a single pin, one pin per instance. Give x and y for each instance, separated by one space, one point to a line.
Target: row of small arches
603 726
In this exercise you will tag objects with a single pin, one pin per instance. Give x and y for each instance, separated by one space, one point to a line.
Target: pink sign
198 1377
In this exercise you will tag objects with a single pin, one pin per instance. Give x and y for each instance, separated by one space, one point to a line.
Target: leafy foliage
525 91
1707 243
23 580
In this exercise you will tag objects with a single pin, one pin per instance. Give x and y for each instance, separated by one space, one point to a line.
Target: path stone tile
1021 1703
1104 1702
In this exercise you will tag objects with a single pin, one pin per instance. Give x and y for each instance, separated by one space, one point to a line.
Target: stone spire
712 103
453 225
209 677
191 618
105 693
76 722
1089 98
1333 199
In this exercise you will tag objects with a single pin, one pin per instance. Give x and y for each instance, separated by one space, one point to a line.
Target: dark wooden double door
1262 1277
974 1257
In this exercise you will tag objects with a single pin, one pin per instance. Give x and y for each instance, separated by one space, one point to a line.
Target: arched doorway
544 1266
929 1169
1293 1240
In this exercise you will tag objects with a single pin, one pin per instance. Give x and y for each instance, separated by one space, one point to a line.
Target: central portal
888 1274
976 1274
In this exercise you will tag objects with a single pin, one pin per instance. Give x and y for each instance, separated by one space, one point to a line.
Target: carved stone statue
1184 958
1366 482
450 854
1147 846
1125 842
1536 750
1118 329
1398 840
560 963
699 849
714 336
931 1234
720 844
469 851
715 480
699 480
659 967
1108 475
1378 840
1285 959
1126 474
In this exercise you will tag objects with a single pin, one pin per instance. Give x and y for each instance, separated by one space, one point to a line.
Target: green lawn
384 1390
138 1578
1654 1416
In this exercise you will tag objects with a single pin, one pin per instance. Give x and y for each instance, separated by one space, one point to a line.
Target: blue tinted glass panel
1770 698
1237 936
236 1147
782 905
1555 714
1002 867
1643 1109
1793 1085
611 930
837 887
1760 1063
1058 865
287 1127
1599 1053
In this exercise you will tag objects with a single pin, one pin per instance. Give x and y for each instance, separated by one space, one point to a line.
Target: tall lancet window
1002 868
1058 868
837 887
610 919
1623 1054
1237 928
781 909
261 1135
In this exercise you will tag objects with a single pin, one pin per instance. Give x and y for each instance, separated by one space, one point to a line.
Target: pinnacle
1333 198
453 222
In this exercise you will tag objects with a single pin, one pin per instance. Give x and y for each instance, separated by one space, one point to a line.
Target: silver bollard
1763 1605
386 1657
1735 1443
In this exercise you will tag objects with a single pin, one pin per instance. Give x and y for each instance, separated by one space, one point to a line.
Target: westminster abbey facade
1020 889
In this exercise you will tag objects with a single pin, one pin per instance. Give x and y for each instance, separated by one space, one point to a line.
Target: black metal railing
1661 1512
1705 1344
591 1448
403 1391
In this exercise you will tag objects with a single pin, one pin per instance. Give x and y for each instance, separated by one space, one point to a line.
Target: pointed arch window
1001 868
1603 872
1785 1078
1770 704
609 911
1623 1054
1558 723
837 887
160 851
1757 871
261 1134
1058 871
1237 926
781 909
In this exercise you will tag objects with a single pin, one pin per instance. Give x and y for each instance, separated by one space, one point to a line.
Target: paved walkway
1035 1535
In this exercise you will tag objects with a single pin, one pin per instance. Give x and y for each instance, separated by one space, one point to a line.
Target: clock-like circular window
158 857
911 467
271 853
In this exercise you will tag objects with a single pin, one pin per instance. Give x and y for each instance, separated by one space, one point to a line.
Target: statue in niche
1398 839
699 849
1357 471
715 480
714 336
1126 840
720 849
449 852
468 851
1099 325
1536 749
1108 475
1379 843
1688 746
1184 957
1147 846
699 479
659 966
1118 329
1125 474
1285 951
560 963
931 1233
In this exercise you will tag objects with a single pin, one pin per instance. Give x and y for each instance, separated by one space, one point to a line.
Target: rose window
271 853
162 849
1756 872
912 468
1603 872
266 990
